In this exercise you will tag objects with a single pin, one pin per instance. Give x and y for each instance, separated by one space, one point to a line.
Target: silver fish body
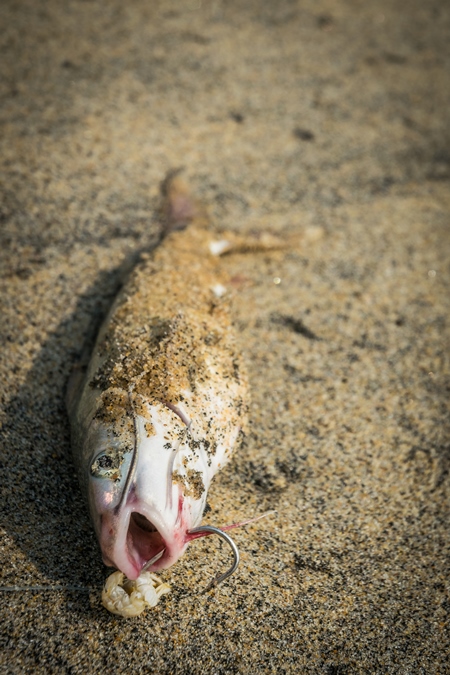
160 407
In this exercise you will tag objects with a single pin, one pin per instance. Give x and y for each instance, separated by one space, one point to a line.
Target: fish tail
179 207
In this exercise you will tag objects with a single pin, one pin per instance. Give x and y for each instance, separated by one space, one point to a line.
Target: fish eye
107 465
105 462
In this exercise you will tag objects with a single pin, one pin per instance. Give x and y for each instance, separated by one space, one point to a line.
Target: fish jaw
158 509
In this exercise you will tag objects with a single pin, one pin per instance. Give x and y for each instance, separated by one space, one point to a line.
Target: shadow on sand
43 510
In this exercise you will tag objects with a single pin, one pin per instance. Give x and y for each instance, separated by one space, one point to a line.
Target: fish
163 402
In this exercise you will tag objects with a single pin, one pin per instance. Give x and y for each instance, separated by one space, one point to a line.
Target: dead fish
163 400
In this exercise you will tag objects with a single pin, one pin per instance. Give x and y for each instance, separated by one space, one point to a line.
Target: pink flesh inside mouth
144 543
146 548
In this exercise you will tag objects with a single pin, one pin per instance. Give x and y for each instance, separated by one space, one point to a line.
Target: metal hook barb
215 530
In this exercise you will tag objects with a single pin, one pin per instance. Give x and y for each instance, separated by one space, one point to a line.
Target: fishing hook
210 529
150 562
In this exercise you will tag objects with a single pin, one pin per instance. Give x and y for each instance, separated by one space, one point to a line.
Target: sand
325 124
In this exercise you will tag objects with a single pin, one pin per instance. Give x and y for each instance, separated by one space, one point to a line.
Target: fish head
147 486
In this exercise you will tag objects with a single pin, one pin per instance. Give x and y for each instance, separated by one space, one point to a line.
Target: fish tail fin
179 207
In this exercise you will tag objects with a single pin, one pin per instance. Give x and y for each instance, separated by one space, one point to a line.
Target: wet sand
327 125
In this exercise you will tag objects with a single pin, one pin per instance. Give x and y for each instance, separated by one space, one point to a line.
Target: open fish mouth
143 546
133 541
144 542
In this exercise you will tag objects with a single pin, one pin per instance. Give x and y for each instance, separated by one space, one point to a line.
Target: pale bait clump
129 598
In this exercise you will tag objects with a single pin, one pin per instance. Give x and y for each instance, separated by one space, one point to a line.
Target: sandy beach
325 124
